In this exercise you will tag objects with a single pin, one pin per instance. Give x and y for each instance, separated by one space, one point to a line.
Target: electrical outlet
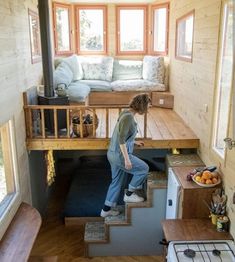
161 101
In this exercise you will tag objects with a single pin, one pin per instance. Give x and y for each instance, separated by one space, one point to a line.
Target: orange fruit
208 181
206 174
214 180
215 174
203 181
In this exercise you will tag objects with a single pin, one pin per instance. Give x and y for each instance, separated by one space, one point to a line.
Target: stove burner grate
191 254
216 252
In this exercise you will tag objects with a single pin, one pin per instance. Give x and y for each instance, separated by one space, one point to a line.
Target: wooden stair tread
117 220
43 259
95 232
157 179
19 238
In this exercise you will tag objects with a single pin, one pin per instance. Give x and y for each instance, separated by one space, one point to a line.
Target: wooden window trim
151 41
8 159
69 7
191 13
105 32
34 60
131 7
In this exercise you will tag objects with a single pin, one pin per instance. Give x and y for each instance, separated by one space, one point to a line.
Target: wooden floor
66 243
165 129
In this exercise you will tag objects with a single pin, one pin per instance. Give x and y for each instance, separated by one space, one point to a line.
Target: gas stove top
197 251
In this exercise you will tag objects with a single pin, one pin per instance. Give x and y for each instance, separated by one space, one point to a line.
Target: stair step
95 232
43 259
117 220
157 180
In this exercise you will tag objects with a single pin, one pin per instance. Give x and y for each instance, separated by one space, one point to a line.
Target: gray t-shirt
127 126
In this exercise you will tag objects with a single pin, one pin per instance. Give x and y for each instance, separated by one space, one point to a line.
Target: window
35 43
224 82
184 37
62 28
9 190
91 29
131 29
159 31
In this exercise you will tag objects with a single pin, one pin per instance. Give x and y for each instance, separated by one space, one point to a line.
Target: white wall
193 85
16 75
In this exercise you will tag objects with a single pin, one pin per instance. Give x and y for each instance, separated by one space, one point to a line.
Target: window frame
145 41
56 5
223 30
153 8
34 58
11 202
178 20
105 29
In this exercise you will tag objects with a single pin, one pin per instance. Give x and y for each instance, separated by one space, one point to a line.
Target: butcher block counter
191 230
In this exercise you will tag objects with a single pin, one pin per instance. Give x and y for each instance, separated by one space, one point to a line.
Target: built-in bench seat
86 79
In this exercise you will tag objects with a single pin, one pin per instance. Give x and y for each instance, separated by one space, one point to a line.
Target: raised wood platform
160 128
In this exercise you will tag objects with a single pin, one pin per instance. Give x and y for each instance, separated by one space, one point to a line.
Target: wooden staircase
136 231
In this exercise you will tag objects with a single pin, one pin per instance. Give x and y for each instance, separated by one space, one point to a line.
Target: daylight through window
62 29
225 80
184 37
131 33
91 24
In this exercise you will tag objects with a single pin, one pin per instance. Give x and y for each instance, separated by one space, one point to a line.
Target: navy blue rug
89 186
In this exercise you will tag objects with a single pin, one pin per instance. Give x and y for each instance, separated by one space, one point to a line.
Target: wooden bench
159 99
19 238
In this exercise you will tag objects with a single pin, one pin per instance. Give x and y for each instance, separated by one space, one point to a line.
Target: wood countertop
192 230
19 238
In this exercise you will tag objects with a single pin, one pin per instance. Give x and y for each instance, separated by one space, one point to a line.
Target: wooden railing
56 121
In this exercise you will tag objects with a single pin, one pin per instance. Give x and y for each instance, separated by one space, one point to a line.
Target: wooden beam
92 144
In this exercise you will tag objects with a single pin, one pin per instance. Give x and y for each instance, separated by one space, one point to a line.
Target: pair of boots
129 197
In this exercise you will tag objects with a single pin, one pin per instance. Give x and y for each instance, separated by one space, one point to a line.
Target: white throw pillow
153 69
75 65
62 75
98 68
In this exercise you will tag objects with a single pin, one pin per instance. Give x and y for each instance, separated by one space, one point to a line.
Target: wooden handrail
42 133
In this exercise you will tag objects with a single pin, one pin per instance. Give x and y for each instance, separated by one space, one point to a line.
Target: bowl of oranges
207 178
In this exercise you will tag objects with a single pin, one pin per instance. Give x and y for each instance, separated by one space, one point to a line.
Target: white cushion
78 92
127 69
62 75
153 69
98 68
97 85
136 85
75 65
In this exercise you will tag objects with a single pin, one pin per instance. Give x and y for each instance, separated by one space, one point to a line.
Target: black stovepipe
43 8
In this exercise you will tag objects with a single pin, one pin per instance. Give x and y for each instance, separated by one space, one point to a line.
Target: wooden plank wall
16 75
193 85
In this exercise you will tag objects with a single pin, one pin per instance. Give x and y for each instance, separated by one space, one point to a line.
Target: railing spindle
43 123
93 122
107 122
55 123
81 123
30 124
68 122
145 125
